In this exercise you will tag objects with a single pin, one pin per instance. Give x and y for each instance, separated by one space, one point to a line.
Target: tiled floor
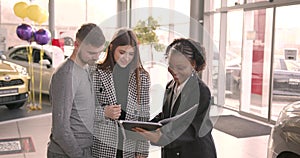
38 128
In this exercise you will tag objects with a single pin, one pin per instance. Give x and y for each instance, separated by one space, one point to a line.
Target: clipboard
149 126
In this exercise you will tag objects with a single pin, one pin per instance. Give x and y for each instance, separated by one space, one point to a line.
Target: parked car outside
284 140
286 77
232 63
53 57
14 84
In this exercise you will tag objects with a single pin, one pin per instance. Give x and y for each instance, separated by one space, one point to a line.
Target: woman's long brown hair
121 38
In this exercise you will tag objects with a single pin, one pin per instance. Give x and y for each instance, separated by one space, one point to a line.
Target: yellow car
14 85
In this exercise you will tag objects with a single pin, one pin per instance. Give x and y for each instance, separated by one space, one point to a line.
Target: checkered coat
105 130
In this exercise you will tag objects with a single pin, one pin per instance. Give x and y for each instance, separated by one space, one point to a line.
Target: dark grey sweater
73 101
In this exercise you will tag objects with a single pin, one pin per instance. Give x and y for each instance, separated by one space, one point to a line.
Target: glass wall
211 5
234 2
9 21
253 1
172 16
217 58
173 19
69 15
261 55
233 58
256 59
286 60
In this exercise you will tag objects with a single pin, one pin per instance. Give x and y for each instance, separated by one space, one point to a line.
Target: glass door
233 59
286 61
256 62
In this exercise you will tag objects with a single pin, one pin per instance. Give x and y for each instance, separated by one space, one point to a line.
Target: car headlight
21 70
289 122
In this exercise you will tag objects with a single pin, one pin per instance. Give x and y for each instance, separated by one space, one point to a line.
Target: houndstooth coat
105 130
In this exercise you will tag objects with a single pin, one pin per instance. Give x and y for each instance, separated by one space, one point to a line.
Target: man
73 99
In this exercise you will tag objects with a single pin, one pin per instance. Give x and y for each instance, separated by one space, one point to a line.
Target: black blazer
190 136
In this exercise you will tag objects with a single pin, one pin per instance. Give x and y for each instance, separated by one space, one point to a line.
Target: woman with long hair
122 87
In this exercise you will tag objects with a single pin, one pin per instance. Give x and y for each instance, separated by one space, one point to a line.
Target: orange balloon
20 9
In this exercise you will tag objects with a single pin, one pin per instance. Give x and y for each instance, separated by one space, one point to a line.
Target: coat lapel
168 99
176 105
108 84
132 107
190 89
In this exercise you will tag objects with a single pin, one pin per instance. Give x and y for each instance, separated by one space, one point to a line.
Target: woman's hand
112 111
153 136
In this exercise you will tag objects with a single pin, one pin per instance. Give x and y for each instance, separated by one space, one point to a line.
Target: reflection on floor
256 106
38 129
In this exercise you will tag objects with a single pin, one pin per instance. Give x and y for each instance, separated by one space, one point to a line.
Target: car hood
292 109
8 67
289 122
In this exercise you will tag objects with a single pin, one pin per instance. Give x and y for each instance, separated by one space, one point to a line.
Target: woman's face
124 55
179 67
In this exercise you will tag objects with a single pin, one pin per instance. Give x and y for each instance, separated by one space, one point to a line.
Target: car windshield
292 65
289 65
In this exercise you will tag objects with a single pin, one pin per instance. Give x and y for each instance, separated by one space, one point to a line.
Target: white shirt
176 92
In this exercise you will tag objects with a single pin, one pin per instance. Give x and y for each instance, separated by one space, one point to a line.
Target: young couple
119 87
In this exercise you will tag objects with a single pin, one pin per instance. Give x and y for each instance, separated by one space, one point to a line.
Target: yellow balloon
20 9
33 12
43 17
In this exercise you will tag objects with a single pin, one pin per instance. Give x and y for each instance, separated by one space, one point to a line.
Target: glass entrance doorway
264 74
286 60
256 62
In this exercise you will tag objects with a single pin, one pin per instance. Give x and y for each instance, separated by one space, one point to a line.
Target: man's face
88 54
179 67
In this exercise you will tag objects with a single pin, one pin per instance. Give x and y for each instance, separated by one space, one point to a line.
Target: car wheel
15 106
288 155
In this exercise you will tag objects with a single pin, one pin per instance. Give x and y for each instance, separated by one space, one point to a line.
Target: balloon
25 32
33 12
42 36
20 9
43 17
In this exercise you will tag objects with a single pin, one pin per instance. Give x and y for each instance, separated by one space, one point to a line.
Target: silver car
284 141
53 57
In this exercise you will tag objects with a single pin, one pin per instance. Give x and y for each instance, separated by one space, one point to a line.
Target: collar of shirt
178 89
176 92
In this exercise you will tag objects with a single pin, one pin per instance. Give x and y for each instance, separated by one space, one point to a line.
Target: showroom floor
36 130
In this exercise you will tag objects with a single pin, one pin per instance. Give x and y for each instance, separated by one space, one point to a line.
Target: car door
286 78
20 56
46 71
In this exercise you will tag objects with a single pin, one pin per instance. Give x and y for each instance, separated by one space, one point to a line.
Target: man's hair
92 34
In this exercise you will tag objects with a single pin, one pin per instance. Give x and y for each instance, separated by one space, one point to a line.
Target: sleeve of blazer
143 146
